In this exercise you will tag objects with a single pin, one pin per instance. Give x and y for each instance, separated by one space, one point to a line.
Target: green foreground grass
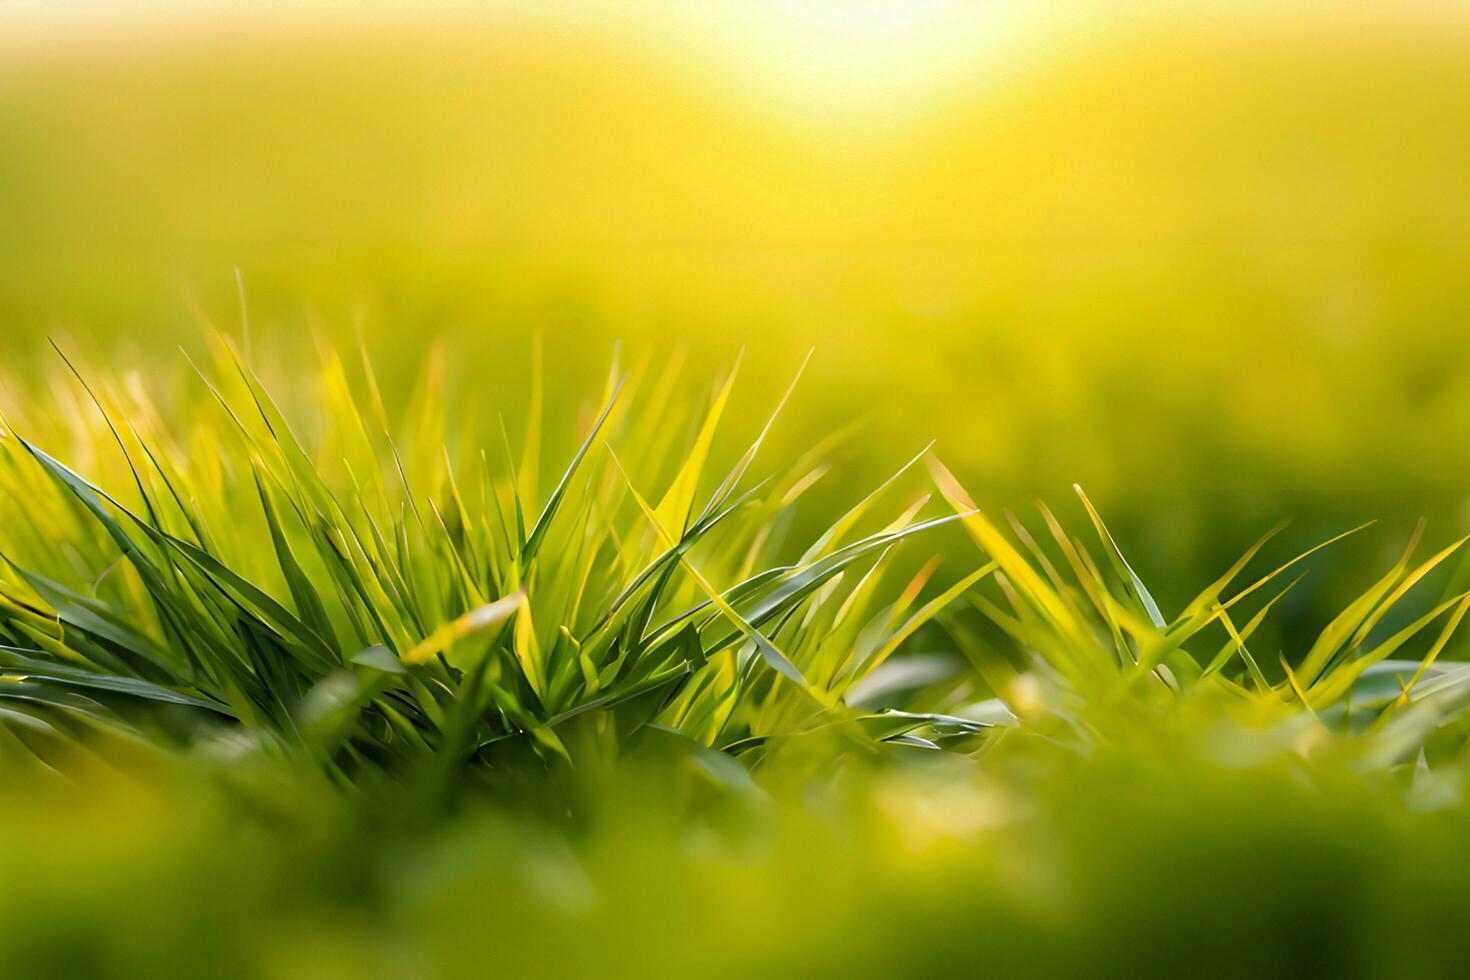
298 684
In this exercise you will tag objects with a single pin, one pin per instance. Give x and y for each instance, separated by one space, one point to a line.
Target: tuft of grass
1090 650
383 605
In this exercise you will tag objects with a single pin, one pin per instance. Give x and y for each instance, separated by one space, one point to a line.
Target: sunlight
852 59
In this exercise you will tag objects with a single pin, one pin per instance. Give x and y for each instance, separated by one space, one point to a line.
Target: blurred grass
1157 857
1203 267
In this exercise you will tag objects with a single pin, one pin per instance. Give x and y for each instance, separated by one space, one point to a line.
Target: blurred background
1207 259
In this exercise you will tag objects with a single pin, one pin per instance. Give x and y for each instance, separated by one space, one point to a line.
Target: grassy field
569 493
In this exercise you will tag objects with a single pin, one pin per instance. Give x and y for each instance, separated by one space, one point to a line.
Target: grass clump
382 612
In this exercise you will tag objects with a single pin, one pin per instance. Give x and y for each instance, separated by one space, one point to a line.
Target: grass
321 688
431 612
314 664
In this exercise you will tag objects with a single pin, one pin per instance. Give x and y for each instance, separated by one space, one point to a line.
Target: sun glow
854 58
833 60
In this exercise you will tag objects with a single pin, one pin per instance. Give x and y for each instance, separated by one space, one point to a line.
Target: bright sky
830 59
851 57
